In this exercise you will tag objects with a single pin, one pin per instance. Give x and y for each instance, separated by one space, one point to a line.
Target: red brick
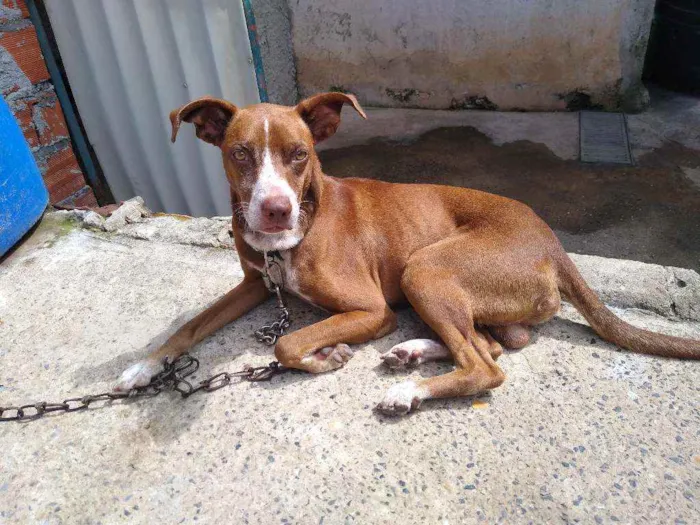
7 15
86 199
17 4
24 118
22 4
24 48
54 126
62 175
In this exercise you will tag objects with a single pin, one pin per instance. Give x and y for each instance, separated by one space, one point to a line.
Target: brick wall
26 86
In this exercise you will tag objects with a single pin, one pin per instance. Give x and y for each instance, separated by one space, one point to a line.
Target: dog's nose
277 208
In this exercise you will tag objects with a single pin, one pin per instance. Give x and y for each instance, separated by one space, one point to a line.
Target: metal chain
269 334
172 378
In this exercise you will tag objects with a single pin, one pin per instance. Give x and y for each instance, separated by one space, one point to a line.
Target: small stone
129 212
94 220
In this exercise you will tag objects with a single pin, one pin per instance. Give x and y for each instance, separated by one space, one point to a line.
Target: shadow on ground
649 212
169 416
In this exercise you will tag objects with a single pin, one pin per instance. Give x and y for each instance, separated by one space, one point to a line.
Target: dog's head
269 158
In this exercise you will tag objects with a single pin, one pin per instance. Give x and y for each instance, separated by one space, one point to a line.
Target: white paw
415 352
137 375
328 358
400 399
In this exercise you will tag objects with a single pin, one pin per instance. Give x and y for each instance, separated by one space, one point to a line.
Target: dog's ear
322 113
209 115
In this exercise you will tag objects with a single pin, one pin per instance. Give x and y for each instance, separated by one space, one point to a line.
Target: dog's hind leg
463 286
415 352
476 372
446 307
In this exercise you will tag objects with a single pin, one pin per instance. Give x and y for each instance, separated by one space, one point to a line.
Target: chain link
269 334
172 378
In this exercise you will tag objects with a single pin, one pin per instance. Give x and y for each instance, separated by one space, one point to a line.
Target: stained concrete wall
505 54
273 20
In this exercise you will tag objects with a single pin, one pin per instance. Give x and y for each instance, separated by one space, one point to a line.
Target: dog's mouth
265 227
273 229
268 229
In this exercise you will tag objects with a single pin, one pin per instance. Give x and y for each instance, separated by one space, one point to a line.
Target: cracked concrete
580 431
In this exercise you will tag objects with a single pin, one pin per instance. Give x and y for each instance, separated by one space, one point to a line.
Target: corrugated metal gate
129 63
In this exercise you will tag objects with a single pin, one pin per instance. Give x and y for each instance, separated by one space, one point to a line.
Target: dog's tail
614 329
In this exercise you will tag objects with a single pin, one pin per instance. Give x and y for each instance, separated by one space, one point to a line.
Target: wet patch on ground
649 212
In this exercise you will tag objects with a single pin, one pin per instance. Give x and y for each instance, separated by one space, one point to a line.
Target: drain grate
604 137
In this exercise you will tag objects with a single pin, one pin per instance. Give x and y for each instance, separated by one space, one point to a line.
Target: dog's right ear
209 115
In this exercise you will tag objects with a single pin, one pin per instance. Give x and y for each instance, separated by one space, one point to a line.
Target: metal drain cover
604 137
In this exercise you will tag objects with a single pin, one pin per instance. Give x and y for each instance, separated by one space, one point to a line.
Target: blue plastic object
23 196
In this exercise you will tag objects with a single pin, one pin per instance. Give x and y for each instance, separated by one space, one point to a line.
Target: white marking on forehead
268 175
269 183
266 126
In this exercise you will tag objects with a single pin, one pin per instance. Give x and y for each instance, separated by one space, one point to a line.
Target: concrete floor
580 432
649 212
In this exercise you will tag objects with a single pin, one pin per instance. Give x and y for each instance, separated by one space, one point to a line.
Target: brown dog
478 268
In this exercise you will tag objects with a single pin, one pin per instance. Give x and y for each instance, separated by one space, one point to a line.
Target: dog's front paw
328 358
400 399
137 375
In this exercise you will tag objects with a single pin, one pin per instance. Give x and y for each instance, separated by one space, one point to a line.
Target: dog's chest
289 274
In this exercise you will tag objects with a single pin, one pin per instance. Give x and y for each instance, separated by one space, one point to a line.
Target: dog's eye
300 155
240 155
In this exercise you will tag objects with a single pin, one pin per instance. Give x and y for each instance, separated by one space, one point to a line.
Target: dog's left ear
322 113
209 115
